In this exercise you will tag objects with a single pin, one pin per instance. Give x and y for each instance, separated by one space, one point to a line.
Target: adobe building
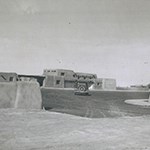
61 78
53 81
104 84
109 84
15 93
8 77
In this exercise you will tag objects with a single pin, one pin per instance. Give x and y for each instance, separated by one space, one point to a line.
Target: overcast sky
108 37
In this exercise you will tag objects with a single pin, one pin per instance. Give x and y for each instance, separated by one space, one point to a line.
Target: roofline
23 75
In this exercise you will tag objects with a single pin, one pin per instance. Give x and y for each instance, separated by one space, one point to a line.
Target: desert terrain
100 104
43 130
100 121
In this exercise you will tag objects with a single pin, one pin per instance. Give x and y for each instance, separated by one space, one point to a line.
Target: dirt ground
100 104
43 130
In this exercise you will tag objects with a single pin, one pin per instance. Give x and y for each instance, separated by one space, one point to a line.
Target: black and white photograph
74 75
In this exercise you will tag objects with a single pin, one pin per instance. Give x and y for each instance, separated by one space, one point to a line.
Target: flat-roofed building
8 77
62 78
59 72
59 78
104 84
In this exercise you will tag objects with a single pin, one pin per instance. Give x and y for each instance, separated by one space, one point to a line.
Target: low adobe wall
7 94
24 95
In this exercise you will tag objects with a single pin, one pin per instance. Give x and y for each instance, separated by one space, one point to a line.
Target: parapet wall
24 95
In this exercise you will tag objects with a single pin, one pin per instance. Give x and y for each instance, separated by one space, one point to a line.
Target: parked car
81 89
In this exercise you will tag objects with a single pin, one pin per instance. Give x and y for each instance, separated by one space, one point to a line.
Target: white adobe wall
28 95
25 95
109 84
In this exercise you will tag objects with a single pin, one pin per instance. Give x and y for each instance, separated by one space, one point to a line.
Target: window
57 81
62 73
11 79
99 83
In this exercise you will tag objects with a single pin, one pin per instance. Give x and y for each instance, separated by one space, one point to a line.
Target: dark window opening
99 83
62 73
94 77
75 75
57 81
11 79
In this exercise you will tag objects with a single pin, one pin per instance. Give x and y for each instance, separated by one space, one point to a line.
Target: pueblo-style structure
62 78
62 90
23 91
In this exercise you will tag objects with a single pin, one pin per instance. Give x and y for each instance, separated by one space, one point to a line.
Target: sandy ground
42 130
141 102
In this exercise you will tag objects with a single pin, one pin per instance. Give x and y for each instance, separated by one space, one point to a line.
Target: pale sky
108 37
